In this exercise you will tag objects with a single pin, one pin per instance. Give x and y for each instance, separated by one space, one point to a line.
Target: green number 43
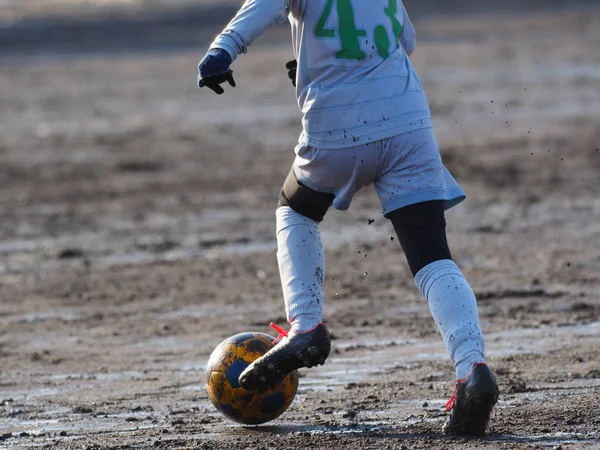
349 34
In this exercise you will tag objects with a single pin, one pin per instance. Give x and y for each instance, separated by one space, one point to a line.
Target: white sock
301 261
454 308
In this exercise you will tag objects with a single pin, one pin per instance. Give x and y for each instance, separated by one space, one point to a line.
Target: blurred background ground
137 222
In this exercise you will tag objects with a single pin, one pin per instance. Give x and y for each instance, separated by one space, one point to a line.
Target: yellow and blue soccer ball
224 367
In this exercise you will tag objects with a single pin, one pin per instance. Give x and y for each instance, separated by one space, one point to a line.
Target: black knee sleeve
304 200
421 230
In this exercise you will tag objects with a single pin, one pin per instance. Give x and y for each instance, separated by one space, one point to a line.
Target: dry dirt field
137 232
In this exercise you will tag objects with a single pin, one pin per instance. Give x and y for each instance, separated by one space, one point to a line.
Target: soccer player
366 121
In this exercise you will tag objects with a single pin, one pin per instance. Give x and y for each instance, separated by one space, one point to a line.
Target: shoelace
281 333
450 403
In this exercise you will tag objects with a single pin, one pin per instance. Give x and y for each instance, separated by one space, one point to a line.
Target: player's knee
286 219
421 230
424 249
304 200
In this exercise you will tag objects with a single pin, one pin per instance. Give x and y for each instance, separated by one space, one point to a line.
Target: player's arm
408 35
252 20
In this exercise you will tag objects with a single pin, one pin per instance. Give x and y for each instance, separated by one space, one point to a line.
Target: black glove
214 70
292 67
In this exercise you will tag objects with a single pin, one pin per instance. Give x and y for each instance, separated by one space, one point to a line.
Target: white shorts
405 169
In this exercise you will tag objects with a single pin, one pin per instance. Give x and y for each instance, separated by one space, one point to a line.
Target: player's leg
318 179
415 191
300 252
301 260
421 230
422 234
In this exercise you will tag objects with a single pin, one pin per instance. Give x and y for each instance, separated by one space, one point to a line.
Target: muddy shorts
405 169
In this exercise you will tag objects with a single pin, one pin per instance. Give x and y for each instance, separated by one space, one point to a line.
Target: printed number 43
349 34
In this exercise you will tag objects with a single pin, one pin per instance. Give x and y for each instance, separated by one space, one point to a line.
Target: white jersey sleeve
252 20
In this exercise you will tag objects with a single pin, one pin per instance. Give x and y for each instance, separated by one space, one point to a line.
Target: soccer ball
225 365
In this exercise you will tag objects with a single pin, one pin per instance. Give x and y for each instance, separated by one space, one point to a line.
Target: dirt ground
137 232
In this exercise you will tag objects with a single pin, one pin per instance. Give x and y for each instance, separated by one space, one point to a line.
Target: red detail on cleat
282 333
450 403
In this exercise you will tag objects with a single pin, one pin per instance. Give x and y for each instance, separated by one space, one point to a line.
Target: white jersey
355 83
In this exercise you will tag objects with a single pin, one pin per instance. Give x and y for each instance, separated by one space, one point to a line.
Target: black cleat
293 351
472 403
